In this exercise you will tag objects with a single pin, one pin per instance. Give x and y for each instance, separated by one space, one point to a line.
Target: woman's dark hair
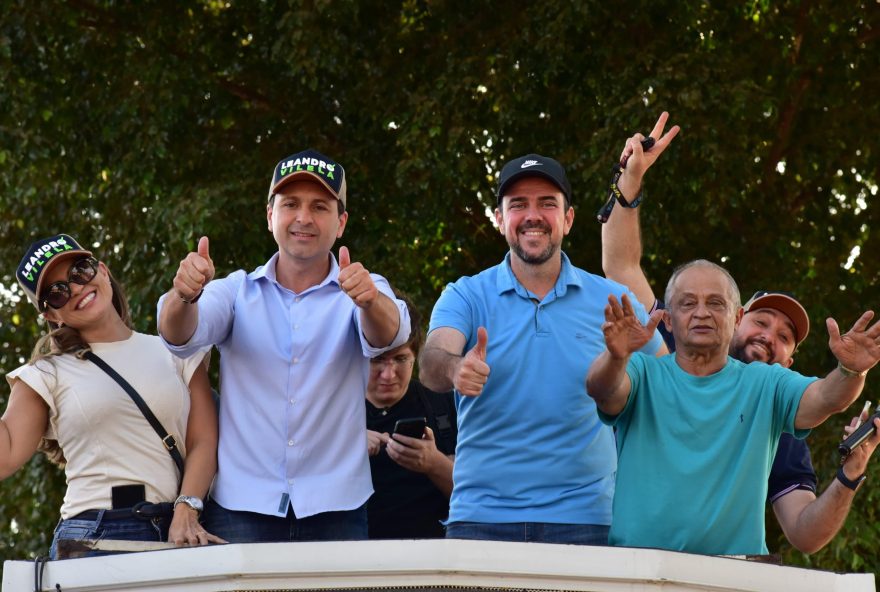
62 339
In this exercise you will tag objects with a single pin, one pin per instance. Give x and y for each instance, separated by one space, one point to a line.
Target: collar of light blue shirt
506 280
268 271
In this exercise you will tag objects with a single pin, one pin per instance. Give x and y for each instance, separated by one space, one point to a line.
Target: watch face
192 501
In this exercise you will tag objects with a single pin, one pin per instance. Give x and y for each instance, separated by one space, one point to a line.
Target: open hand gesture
859 348
624 333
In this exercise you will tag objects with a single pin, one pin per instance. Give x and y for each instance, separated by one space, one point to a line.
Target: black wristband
847 482
615 195
618 194
194 300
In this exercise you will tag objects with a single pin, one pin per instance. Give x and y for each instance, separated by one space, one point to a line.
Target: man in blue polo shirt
533 462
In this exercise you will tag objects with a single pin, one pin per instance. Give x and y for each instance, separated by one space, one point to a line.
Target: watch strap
847 482
194 299
191 501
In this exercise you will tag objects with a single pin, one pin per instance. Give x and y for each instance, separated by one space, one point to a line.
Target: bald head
732 291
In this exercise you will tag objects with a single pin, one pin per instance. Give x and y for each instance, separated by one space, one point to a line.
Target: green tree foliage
137 127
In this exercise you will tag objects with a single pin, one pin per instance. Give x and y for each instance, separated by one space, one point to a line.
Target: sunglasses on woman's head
81 272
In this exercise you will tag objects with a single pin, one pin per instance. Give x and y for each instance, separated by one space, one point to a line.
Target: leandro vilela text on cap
312 164
40 257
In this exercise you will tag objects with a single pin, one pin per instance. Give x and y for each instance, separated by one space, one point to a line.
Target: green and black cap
313 164
40 257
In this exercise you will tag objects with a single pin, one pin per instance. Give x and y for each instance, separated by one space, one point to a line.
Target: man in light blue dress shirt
295 338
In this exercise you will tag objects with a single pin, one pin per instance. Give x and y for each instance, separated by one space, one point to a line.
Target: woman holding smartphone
122 482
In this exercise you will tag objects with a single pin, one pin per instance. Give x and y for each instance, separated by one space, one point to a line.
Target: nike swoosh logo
529 163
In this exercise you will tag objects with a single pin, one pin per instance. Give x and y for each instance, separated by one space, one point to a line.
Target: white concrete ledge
423 564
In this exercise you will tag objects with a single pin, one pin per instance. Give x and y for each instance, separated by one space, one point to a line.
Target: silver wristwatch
191 501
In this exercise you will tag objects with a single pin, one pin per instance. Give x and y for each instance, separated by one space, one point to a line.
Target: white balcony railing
420 565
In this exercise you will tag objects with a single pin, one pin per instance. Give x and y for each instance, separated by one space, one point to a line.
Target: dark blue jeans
250 527
126 529
530 532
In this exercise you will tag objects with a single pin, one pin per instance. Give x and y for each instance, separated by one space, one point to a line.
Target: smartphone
126 496
862 433
414 427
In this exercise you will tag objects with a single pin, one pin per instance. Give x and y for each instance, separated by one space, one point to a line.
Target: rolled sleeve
216 311
403 327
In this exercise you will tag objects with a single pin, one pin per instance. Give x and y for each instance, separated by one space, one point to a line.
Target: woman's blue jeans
128 529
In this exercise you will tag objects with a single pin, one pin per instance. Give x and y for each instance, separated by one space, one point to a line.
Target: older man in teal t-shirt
697 430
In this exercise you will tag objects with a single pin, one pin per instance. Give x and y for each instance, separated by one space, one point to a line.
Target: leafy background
138 127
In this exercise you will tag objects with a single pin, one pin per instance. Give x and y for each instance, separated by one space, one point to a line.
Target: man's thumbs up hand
355 281
472 371
194 273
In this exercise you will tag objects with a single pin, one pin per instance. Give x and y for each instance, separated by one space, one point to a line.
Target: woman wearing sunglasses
122 483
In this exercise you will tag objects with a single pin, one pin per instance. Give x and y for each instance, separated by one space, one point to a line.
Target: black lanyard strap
167 439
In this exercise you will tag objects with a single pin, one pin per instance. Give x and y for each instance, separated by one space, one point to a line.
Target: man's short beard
738 352
538 259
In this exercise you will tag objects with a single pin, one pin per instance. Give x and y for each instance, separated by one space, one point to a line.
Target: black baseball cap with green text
40 257
313 164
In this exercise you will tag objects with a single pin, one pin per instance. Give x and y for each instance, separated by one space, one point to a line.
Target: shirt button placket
294 360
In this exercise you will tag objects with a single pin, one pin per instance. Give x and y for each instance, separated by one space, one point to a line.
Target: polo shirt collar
506 280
